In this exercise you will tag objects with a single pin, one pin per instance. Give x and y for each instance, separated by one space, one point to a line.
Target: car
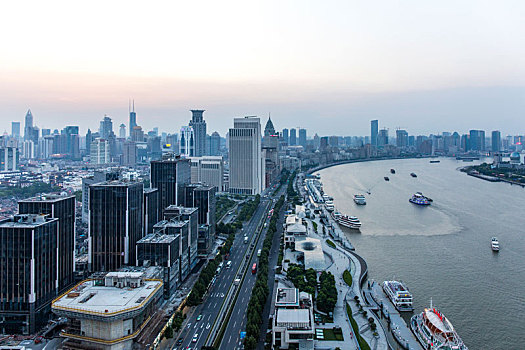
195 338
179 341
199 317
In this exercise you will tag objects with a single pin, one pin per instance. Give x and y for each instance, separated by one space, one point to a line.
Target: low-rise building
293 320
108 311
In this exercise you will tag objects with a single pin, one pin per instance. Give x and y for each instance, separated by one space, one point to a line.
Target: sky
327 66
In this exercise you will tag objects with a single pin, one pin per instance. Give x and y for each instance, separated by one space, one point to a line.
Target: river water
442 251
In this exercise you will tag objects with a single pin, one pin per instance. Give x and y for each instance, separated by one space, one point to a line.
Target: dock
400 330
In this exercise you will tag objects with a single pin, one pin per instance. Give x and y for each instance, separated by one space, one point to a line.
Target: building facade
199 129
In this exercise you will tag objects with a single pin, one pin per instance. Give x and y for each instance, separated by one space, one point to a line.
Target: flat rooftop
171 223
87 298
287 297
294 318
26 221
48 197
157 238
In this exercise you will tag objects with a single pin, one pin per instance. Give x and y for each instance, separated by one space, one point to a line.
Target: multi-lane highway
201 321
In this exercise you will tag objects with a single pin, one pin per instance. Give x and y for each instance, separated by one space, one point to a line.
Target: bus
254 268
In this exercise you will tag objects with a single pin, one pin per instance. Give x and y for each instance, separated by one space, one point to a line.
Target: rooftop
171 223
47 197
313 252
88 298
157 238
287 297
294 318
26 220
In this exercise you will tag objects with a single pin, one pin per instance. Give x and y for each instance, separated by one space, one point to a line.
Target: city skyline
410 65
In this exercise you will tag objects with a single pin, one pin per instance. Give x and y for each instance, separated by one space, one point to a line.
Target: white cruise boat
435 332
329 205
494 244
347 221
359 199
399 295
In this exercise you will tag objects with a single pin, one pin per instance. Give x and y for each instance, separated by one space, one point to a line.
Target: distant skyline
330 68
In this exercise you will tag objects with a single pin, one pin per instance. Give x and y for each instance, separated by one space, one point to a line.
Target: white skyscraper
187 141
100 152
246 161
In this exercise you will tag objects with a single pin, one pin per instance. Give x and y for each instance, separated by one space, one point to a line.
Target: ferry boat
435 161
434 331
393 171
419 199
399 295
494 244
413 174
351 222
359 199
387 178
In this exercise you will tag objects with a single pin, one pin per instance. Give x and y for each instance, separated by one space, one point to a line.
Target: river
442 251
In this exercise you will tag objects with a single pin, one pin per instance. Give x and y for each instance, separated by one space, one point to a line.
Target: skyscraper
215 144
293 137
477 140
71 142
374 129
29 276
132 119
496 141
61 207
106 127
286 136
382 138
187 141
28 125
246 161
401 138
170 175
270 147
15 129
302 137
115 224
199 129
100 152
122 131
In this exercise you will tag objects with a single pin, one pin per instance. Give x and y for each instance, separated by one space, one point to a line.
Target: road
238 319
209 308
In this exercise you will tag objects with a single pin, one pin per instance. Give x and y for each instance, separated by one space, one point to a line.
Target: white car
195 338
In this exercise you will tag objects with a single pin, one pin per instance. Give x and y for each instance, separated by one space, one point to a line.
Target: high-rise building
401 138
293 137
61 207
15 130
122 131
199 130
382 138
302 137
129 153
286 136
270 145
28 133
151 210
132 121
9 158
29 276
106 127
71 142
496 141
208 170
115 224
187 141
98 177
189 215
215 144
137 135
374 127
245 155
170 175
477 140
100 152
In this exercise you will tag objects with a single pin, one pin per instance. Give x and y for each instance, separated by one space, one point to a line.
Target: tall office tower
132 120
29 276
28 125
187 141
170 175
129 154
465 142
215 144
122 131
374 127
496 141
15 130
137 135
98 177
61 207
89 140
382 138
71 142
199 130
270 145
286 136
317 141
115 224
100 152
9 158
151 210
302 137
245 154
106 127
401 138
477 140
293 137
208 170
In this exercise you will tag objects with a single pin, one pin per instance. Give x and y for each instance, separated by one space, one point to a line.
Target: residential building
293 137
286 136
9 158
302 137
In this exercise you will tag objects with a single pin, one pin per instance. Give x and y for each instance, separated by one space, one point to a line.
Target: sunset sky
328 66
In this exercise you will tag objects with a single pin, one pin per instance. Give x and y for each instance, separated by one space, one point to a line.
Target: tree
168 333
250 343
